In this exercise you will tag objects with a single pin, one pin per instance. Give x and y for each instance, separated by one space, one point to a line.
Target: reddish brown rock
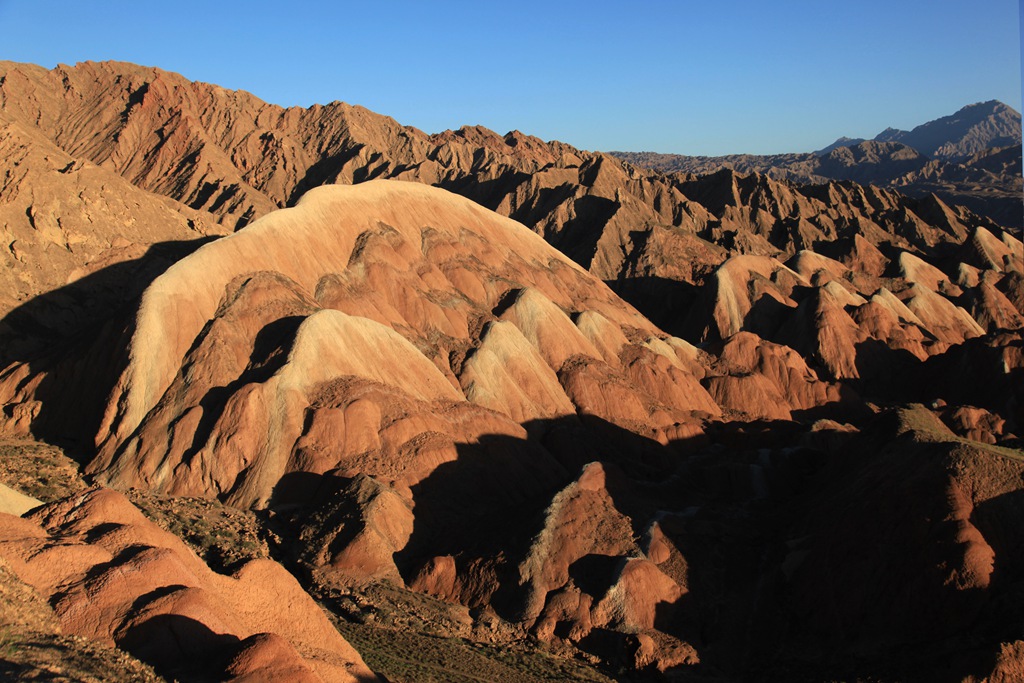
585 571
822 330
743 282
916 271
411 380
752 394
992 310
797 386
666 378
606 337
549 330
986 251
78 220
121 579
595 389
356 535
268 657
580 522
508 374
974 423
248 385
941 317
1009 664
640 599
1013 287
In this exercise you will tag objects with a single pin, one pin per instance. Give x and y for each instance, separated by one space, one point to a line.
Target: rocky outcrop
115 577
324 358
768 380
584 571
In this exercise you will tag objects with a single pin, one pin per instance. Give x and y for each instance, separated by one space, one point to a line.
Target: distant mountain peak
840 142
971 157
970 130
992 105
890 134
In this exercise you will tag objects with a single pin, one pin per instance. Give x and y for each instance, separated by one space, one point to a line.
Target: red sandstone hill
115 577
226 157
440 393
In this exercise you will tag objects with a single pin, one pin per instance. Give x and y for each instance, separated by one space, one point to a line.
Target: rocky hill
973 129
500 405
971 158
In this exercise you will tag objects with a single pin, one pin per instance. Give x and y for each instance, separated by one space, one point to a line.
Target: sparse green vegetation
39 470
225 537
410 657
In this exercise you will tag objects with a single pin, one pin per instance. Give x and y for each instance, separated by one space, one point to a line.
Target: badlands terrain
972 157
309 395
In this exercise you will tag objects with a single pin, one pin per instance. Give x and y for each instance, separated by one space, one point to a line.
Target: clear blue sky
691 77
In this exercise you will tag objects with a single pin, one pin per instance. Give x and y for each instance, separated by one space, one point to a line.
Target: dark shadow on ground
663 301
77 335
179 647
769 525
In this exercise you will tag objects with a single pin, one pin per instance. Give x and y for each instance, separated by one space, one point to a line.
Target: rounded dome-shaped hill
241 348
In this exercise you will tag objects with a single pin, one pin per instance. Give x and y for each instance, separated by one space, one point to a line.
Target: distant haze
675 77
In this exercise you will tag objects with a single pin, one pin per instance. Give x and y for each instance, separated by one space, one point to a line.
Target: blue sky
689 77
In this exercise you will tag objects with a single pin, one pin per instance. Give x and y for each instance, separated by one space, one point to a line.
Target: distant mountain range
975 128
972 157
